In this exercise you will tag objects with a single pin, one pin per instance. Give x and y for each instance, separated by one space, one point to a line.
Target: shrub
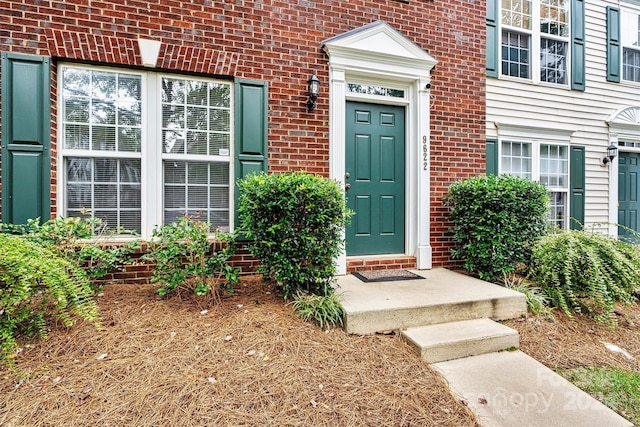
324 310
295 221
581 270
497 219
185 259
84 241
36 282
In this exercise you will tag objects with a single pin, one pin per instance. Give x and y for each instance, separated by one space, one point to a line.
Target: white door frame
624 125
380 56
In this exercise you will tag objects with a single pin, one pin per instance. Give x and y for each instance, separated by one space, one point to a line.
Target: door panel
628 205
374 159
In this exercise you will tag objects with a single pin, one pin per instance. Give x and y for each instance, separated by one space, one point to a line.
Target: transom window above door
143 149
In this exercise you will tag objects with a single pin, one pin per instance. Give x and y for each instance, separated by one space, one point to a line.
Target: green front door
628 203
374 166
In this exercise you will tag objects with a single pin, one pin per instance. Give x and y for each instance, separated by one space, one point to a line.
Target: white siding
583 114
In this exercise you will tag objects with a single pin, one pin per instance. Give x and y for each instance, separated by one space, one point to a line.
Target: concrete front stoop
449 318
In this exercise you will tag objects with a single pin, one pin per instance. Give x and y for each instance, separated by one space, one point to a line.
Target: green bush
295 221
185 259
581 270
497 219
36 282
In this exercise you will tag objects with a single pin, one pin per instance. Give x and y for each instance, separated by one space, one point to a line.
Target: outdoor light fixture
612 152
314 90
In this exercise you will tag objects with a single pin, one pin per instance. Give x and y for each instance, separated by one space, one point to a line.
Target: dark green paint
26 143
613 44
628 203
375 156
577 183
250 145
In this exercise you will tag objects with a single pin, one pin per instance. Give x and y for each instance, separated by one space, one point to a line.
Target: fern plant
585 271
35 283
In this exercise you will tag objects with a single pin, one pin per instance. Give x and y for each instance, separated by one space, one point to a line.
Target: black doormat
386 275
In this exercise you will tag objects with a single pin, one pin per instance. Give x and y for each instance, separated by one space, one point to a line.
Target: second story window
630 46
535 40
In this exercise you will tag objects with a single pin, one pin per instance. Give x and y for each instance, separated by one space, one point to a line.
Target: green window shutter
492 156
577 45
613 44
250 130
576 187
26 138
493 50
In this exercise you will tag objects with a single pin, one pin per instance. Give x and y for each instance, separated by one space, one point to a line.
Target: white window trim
537 138
627 7
152 180
535 48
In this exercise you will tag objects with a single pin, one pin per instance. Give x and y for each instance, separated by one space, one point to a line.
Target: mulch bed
248 361
564 344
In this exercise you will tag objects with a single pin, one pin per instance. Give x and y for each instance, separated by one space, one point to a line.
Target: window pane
76 136
553 61
220 95
197 188
554 17
191 110
630 24
517 13
515 54
100 107
219 144
631 65
105 188
516 159
557 209
554 166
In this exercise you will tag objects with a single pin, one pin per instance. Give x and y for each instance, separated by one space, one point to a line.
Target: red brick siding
366 264
278 42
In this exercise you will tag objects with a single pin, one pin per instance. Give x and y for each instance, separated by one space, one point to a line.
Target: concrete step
448 341
512 389
442 296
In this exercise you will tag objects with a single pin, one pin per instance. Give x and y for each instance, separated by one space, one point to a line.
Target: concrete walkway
504 388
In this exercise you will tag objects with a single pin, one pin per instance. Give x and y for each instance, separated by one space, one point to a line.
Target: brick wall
278 42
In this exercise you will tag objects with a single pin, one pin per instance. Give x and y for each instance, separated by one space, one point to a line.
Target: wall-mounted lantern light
612 152
314 90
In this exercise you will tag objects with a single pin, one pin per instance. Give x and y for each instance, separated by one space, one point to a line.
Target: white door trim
380 55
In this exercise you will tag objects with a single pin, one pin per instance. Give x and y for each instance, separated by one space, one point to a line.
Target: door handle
347 186
347 175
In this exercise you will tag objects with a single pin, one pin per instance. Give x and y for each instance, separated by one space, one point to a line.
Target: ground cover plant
248 361
294 222
496 221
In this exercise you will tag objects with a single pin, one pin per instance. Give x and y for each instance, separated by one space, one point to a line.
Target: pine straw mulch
248 361
564 344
